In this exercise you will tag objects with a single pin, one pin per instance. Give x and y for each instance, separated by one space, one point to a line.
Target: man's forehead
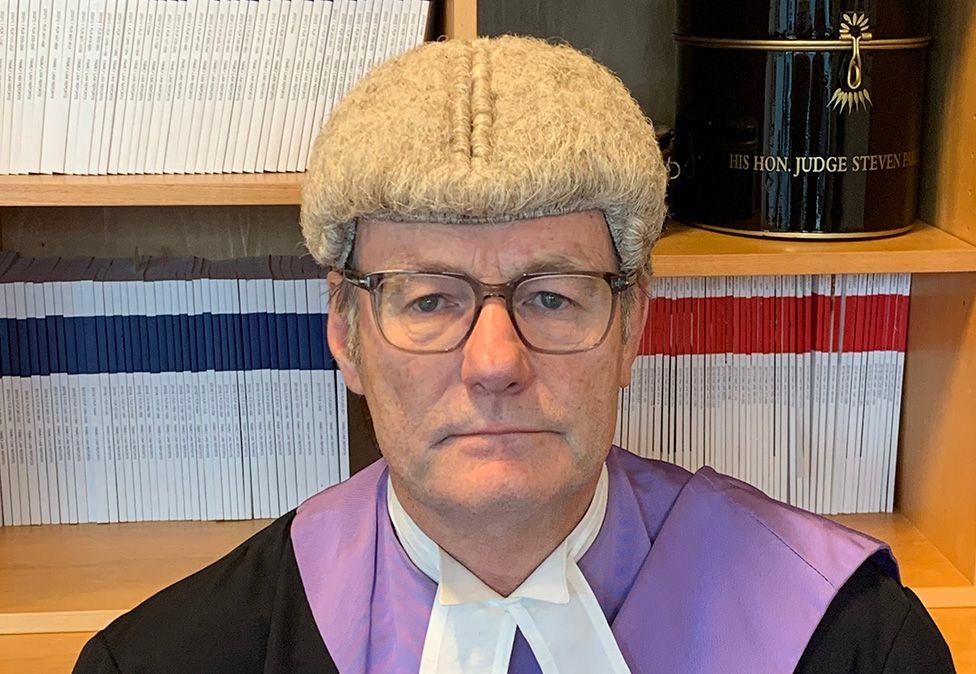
572 241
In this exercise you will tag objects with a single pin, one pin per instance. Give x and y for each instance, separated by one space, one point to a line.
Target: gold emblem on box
855 28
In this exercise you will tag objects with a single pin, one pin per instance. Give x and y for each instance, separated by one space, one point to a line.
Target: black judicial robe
248 612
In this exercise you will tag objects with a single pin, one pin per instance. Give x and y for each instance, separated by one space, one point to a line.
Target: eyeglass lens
430 312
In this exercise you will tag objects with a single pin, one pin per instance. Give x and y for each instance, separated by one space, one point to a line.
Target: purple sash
696 573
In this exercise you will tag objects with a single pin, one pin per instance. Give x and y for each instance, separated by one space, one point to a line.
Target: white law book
342 414
216 448
324 434
74 343
243 85
8 59
119 419
40 397
153 78
248 400
135 89
404 27
204 45
325 63
239 482
88 90
229 68
272 410
145 468
56 105
415 31
169 158
300 385
217 44
7 436
171 55
283 82
371 31
246 92
112 12
185 87
300 73
124 418
14 419
284 406
36 441
39 73
869 499
24 427
59 410
267 28
313 95
20 86
181 398
200 422
339 53
377 52
106 402
281 9
125 84
113 90
351 58
361 42
83 300
262 390
903 288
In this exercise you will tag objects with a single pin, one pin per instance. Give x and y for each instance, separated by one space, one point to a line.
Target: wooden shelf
77 578
250 189
688 251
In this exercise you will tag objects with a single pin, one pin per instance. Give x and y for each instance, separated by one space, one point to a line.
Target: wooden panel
208 231
936 473
687 251
96 567
633 39
948 169
958 626
461 19
150 190
922 565
40 653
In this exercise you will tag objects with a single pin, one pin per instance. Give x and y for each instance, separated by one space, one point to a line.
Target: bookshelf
74 579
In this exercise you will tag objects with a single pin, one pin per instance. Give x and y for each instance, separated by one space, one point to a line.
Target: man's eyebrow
555 262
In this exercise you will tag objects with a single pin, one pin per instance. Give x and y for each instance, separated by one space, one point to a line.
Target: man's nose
495 358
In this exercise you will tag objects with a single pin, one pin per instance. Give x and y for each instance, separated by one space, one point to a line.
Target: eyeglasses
435 312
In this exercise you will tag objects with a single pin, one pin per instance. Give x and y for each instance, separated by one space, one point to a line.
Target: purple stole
696 573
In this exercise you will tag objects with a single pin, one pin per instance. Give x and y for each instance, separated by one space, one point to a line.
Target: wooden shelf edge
56 621
233 189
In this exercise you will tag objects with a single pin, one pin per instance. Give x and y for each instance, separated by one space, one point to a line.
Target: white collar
472 627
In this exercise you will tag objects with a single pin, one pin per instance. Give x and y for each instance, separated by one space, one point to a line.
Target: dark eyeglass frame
371 282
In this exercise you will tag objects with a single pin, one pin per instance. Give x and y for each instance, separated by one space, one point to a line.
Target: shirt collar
457 585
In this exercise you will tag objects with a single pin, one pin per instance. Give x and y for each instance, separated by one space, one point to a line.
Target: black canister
799 118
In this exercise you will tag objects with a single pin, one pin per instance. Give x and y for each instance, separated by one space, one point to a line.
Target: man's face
491 424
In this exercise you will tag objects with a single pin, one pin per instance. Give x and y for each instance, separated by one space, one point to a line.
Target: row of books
790 383
184 86
165 389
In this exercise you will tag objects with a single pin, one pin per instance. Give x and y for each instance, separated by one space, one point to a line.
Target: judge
487 209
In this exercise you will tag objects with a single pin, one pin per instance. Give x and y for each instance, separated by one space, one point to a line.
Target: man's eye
428 303
551 300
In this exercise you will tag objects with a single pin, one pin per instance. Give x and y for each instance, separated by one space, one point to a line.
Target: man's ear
337 334
636 320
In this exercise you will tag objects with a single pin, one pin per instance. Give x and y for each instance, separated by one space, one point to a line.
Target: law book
315 93
58 385
282 74
229 67
360 29
282 10
325 63
113 371
39 73
123 90
342 416
340 53
268 15
297 98
134 86
170 56
112 84
104 45
242 85
10 356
